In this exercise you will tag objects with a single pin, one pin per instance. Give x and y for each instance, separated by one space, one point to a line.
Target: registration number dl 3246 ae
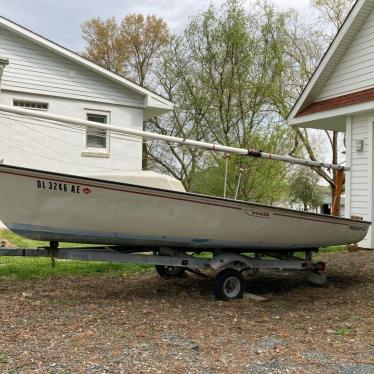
62 187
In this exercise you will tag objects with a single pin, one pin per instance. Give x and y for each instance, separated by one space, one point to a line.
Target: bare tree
144 37
105 44
333 12
131 49
304 46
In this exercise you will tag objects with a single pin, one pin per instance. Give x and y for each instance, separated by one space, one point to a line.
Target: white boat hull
54 207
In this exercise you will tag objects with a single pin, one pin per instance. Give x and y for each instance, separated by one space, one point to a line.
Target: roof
357 97
154 104
306 110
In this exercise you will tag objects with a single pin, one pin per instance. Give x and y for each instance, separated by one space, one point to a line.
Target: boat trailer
228 267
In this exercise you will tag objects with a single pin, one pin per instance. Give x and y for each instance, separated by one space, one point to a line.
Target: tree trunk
333 193
144 156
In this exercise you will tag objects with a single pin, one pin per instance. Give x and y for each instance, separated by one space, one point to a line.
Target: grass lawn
41 267
336 248
20 242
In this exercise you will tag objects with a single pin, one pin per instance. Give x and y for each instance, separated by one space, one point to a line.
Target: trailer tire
228 285
168 272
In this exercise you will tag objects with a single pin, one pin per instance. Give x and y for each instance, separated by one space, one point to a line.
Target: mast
64 120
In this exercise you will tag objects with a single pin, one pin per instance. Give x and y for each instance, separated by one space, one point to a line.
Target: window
96 138
31 104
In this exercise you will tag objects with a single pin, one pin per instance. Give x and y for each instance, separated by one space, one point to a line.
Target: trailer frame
229 266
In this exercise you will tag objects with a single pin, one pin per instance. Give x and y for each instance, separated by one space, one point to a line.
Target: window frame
31 102
89 151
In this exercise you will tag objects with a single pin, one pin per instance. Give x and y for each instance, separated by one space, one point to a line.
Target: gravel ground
140 323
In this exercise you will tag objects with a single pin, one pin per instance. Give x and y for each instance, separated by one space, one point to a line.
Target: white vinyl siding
355 71
37 70
360 176
33 143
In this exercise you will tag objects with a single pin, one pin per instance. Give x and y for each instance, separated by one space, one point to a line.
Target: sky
60 20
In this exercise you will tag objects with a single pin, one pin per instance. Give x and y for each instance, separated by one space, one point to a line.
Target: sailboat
57 207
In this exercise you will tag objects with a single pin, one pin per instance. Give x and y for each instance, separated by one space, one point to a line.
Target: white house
41 75
340 96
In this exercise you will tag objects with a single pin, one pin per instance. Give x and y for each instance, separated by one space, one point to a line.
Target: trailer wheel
228 285
168 272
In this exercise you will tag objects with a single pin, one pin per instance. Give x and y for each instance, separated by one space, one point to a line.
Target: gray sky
60 20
